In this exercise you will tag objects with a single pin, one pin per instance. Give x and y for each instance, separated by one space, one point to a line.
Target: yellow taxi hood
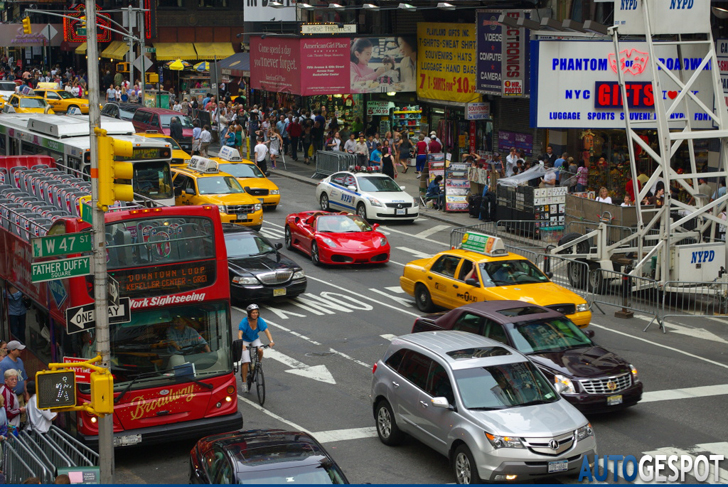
231 199
257 183
544 294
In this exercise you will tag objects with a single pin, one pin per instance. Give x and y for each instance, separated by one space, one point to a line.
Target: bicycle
255 373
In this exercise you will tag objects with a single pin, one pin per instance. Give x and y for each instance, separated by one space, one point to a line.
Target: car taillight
374 369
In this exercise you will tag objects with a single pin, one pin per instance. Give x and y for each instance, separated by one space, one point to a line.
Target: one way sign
82 318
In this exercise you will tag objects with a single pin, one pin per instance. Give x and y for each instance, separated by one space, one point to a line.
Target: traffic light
56 389
102 393
110 170
26 25
122 68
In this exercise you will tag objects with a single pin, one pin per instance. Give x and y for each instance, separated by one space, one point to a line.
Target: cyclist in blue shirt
248 331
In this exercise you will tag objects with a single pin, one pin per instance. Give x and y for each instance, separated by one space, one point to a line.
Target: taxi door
465 293
54 100
441 281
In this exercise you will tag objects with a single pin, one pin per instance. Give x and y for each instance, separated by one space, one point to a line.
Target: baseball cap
433 133
496 154
15 345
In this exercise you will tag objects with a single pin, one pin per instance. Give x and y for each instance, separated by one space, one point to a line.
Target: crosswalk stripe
432 231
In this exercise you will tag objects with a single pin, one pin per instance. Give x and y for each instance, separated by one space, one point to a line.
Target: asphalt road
348 315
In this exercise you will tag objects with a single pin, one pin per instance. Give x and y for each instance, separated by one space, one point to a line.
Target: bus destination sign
171 279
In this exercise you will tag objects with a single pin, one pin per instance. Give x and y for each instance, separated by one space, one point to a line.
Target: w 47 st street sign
53 245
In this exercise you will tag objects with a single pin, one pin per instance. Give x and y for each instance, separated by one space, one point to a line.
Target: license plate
242 217
279 292
127 440
558 466
614 400
401 211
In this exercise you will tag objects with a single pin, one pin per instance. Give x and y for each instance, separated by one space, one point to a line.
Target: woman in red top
422 152
295 130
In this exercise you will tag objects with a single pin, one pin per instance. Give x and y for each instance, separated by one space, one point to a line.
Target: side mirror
550 275
402 188
375 226
560 387
183 192
297 219
589 333
472 282
247 189
440 403
279 246
352 187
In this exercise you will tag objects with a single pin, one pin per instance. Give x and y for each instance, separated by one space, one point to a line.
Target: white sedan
371 196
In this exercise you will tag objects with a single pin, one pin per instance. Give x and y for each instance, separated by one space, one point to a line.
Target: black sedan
122 111
595 380
263 457
257 270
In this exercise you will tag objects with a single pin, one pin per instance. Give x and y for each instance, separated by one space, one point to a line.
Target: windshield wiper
483 408
533 403
150 375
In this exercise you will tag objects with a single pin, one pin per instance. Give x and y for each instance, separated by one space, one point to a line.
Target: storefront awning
170 51
81 49
115 50
207 51
237 65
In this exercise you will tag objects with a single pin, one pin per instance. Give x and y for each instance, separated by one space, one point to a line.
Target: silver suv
482 404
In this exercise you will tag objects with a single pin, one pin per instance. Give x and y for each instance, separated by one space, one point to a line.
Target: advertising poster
383 64
577 85
515 59
325 66
490 39
522 142
274 64
446 64
721 49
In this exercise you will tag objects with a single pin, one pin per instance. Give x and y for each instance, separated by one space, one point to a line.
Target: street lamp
445 6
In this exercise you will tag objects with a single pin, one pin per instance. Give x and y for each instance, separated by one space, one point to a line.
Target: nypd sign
666 16
576 84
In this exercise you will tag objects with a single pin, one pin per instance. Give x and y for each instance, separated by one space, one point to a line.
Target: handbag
27 302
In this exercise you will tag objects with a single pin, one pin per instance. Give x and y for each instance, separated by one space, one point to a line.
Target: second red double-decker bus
172 361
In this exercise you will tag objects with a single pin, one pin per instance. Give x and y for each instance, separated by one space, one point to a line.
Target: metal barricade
567 272
624 291
80 454
51 450
330 162
22 459
681 298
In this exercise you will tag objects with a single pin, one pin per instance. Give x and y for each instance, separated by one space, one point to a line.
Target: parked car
122 111
372 196
460 276
336 238
594 379
159 119
263 457
480 403
60 100
257 269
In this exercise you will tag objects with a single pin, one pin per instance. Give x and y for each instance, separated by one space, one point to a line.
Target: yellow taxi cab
28 104
483 270
179 157
249 176
59 99
202 183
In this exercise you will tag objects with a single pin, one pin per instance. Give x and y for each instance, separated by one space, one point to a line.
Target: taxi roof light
483 244
229 154
203 165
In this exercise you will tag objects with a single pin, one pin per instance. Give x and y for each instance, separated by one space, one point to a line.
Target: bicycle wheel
260 385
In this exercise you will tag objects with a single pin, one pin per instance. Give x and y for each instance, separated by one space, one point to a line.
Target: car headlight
243 281
580 308
415 203
258 207
584 432
275 191
570 389
635 377
504 441
374 202
222 208
299 274
382 241
329 242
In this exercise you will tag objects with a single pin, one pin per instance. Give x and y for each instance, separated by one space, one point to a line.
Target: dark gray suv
482 404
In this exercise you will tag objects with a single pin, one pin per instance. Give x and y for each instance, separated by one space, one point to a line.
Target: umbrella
178 65
203 66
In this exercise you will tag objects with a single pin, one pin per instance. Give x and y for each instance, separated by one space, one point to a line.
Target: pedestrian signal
56 389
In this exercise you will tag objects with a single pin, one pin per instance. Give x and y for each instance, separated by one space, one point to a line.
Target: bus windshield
153 179
156 345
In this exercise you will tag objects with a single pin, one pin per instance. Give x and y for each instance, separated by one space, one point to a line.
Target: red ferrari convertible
336 238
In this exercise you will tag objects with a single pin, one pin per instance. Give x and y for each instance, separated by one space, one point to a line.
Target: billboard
666 16
446 62
503 55
575 84
324 66
274 64
383 64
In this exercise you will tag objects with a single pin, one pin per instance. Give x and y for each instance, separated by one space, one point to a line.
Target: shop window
213 3
169 3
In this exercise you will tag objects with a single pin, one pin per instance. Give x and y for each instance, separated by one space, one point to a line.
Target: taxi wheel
422 298
315 254
71 108
288 239
361 210
324 200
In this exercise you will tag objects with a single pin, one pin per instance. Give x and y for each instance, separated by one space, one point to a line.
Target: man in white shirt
350 146
261 151
39 420
511 160
205 140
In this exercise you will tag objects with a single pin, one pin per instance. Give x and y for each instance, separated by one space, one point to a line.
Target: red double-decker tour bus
172 361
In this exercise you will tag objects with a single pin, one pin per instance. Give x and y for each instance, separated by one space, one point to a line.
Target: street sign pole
106 422
142 35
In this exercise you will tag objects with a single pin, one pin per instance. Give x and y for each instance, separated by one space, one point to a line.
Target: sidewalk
303 173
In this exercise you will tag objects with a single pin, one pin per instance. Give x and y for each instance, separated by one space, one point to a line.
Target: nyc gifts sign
446 62
576 84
